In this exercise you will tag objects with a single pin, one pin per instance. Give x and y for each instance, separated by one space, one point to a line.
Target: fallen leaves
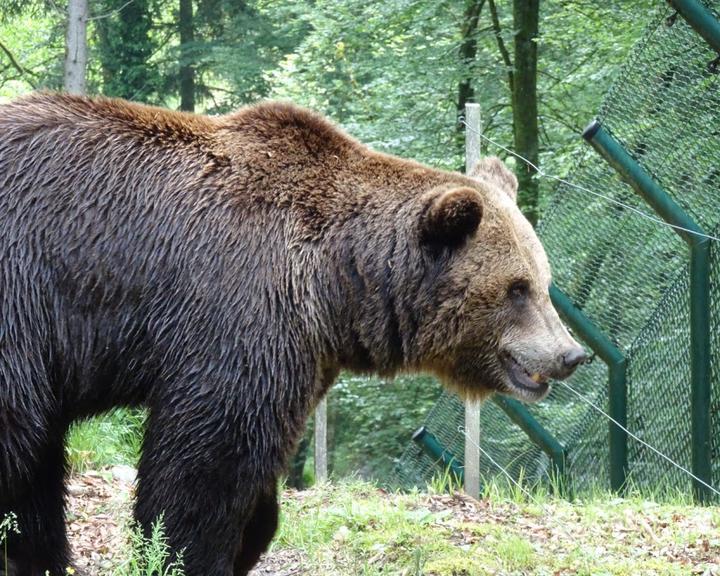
98 508
565 538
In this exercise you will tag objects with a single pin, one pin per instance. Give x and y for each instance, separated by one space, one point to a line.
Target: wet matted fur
221 272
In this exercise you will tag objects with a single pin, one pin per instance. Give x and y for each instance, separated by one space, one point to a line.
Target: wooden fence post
321 455
473 129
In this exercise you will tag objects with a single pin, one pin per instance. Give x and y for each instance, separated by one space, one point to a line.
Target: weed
149 556
446 482
7 525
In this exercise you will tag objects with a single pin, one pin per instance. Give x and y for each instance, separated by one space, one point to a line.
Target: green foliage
31 48
8 525
370 421
388 71
125 44
241 44
149 556
107 440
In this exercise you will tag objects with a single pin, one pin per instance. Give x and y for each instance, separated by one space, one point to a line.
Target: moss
458 564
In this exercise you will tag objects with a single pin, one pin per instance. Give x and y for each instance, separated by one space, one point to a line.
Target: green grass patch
106 440
354 528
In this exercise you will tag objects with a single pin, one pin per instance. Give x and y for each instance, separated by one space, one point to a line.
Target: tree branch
501 44
23 71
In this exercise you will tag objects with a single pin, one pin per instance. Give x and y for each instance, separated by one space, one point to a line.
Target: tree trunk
187 72
76 47
524 99
468 51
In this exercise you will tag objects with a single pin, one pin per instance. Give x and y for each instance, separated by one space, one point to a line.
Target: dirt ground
638 538
99 508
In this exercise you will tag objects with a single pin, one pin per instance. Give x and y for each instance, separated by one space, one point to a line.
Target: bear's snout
571 359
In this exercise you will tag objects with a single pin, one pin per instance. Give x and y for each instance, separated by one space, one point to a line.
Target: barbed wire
587 190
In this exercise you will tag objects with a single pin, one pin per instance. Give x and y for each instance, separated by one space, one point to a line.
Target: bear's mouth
525 384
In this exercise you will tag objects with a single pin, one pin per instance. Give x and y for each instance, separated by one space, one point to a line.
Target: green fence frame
701 19
646 187
617 381
707 26
432 446
537 433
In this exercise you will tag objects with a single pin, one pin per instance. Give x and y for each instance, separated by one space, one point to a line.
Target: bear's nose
573 358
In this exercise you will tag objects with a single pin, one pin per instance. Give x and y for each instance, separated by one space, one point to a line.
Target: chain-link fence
628 274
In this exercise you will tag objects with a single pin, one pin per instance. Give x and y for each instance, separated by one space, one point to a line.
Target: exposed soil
99 510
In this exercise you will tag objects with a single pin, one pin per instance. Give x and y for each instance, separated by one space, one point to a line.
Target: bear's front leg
259 531
201 479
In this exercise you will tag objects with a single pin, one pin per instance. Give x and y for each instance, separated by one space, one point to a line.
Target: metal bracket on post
671 212
617 381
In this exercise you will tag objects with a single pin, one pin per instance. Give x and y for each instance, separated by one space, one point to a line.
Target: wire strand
587 190
635 437
111 13
507 474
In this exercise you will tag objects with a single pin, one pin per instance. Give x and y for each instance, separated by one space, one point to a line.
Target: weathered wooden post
76 49
321 459
473 129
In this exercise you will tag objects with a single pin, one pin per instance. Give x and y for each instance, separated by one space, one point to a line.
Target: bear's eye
519 290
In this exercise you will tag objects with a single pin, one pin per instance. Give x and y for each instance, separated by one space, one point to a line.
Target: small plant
445 483
419 559
9 524
150 556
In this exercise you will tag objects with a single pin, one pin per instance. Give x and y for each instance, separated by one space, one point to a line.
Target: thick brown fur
221 271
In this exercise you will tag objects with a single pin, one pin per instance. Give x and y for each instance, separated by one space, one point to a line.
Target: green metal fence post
629 169
536 432
617 381
431 445
701 19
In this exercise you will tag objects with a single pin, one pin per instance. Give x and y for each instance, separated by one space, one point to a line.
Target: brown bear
221 272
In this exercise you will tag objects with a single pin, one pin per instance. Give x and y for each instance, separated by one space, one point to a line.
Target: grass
107 440
148 556
8 524
354 528
144 556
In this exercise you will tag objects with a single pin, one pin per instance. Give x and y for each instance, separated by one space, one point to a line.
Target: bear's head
493 326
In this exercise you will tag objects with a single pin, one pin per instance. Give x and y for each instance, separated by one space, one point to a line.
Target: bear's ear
494 170
451 217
